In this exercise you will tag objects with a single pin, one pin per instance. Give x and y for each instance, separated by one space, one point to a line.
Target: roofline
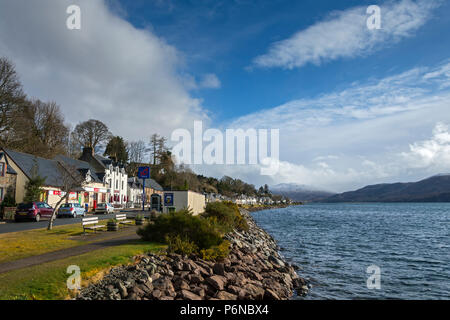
26 175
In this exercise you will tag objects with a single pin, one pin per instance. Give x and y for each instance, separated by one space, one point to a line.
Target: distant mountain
299 192
433 189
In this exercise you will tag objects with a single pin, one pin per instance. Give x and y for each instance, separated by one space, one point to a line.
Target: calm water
335 243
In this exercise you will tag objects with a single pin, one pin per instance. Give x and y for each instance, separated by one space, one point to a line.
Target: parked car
33 211
104 208
72 210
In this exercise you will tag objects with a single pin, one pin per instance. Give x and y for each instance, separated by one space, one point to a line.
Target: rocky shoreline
253 271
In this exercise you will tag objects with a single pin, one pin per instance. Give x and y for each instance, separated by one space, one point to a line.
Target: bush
219 252
181 245
226 215
8 201
182 223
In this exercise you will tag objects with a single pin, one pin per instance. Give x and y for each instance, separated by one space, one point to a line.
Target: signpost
143 173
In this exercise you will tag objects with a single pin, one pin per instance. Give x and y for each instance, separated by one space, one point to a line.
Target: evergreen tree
33 187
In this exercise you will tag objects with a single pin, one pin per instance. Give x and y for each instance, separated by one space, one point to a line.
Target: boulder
219 269
217 282
188 295
223 295
270 295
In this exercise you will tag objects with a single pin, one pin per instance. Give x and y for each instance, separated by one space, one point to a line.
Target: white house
113 174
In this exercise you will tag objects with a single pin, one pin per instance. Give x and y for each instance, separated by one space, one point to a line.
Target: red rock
217 282
271 295
223 295
187 295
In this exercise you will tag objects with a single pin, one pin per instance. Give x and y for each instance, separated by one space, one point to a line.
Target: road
22 226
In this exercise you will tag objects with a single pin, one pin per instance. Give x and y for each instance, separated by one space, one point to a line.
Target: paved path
12 226
126 236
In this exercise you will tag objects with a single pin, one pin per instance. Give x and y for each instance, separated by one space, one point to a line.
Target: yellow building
178 200
26 166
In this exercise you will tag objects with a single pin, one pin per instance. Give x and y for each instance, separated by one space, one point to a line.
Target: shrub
182 223
219 252
8 201
181 245
226 215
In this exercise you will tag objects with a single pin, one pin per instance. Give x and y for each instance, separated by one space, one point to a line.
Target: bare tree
154 142
39 129
91 133
11 96
136 153
72 180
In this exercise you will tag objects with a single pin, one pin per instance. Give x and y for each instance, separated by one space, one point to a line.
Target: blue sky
354 106
223 37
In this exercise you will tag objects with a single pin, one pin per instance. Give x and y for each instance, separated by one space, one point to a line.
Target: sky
354 106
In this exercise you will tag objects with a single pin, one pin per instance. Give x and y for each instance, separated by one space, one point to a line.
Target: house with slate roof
19 168
95 191
8 177
112 173
135 186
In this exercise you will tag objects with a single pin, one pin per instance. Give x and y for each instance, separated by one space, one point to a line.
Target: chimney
87 152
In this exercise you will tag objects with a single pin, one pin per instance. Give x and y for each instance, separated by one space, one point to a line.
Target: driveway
12 226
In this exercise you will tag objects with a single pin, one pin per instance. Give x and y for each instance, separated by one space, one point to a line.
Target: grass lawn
48 281
17 245
22 244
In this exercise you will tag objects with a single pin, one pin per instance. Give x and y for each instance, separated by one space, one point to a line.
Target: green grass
48 281
17 245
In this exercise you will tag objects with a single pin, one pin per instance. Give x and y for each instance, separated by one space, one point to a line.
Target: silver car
71 210
104 208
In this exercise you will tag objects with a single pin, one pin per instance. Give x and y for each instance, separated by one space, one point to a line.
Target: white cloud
210 80
109 70
368 133
344 34
433 153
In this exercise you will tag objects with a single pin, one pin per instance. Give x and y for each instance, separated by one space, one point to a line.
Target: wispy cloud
344 34
372 132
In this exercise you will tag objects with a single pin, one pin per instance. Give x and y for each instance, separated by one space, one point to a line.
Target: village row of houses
244 199
105 180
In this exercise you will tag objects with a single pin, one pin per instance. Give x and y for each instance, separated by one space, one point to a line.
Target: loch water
335 244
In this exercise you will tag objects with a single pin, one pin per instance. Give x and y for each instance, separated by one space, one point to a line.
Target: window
122 185
117 184
2 169
109 183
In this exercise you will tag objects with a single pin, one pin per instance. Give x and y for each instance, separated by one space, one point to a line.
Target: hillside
433 189
298 192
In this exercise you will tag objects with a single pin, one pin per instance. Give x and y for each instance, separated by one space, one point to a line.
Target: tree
39 129
11 97
33 187
136 152
91 133
157 148
154 143
116 149
71 180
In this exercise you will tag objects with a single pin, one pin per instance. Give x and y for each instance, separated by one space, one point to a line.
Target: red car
34 211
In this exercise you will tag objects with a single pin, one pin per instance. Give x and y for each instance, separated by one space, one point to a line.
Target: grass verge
48 281
23 244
